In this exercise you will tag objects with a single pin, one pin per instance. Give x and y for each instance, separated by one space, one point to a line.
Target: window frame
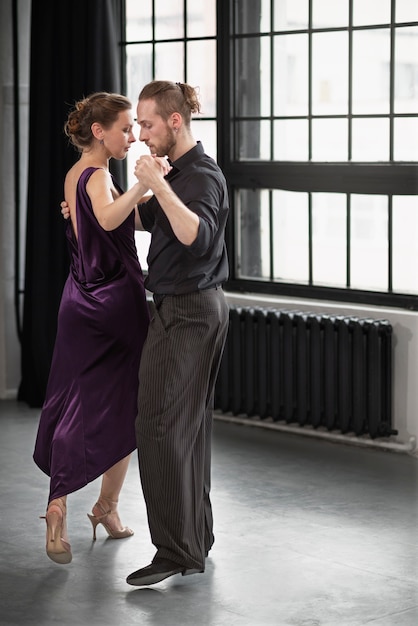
383 178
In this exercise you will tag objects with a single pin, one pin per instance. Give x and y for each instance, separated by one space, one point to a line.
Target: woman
86 427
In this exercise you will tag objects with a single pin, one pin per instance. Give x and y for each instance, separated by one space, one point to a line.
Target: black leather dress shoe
158 570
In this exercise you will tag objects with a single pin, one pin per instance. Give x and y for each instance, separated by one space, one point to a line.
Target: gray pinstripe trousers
177 376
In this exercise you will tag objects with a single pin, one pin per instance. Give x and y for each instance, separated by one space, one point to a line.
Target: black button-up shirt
174 268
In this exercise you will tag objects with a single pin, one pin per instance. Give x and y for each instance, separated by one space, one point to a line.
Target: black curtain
75 50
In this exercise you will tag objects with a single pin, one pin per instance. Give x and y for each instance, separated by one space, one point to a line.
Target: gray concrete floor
308 533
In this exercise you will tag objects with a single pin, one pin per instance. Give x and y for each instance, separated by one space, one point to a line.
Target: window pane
290 236
201 18
329 140
405 237
253 236
169 19
138 20
169 61
291 140
253 140
406 70
291 75
406 11
370 139
252 16
329 13
201 72
138 68
265 235
142 241
205 131
330 73
329 243
265 76
371 71
369 242
252 77
371 12
405 148
291 14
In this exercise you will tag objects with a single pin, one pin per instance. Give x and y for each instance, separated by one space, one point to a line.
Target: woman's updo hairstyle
101 107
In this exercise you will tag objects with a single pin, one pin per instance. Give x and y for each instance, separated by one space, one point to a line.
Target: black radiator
308 369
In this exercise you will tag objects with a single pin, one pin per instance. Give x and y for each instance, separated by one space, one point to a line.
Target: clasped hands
150 169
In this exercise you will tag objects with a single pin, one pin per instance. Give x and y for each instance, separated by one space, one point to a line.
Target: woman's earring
101 142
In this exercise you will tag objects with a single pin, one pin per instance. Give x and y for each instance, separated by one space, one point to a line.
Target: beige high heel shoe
58 549
106 521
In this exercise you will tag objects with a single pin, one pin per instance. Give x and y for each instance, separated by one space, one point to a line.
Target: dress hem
86 480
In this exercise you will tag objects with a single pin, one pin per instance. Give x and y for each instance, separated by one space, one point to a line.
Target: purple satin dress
87 422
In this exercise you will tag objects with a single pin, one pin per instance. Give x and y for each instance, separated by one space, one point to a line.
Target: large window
315 107
322 160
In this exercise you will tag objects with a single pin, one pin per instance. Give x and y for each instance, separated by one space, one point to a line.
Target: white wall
405 349
9 343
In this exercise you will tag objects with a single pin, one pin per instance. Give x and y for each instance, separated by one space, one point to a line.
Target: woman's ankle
110 504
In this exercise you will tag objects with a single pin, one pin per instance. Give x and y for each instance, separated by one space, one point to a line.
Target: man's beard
167 145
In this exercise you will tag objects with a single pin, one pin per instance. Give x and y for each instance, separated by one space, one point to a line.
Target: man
187 265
